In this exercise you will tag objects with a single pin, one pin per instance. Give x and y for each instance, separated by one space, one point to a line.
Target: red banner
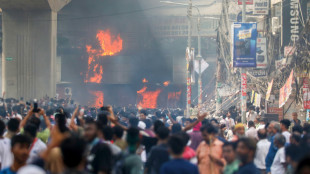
247 2
189 90
306 94
286 90
243 84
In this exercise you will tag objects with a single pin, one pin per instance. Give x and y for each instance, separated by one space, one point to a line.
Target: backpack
119 164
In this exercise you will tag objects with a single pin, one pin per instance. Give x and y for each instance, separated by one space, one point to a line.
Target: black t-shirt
100 159
157 157
148 143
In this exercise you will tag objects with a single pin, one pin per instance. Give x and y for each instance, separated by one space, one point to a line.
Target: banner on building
247 2
244 44
306 94
258 72
243 84
269 90
261 53
280 64
253 96
261 7
257 100
286 90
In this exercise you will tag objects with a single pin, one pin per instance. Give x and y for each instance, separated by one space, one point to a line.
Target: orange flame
109 46
98 98
144 80
174 95
149 98
166 83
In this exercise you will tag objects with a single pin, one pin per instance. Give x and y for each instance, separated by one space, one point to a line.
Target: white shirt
251 132
229 122
115 149
277 165
261 153
287 136
251 116
6 156
36 150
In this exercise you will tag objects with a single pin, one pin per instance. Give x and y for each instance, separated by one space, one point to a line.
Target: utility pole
189 44
199 64
243 72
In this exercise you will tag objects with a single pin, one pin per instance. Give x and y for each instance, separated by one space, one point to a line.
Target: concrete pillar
29 47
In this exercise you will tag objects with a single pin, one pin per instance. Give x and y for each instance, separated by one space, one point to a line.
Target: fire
149 98
98 98
166 83
144 80
174 95
109 46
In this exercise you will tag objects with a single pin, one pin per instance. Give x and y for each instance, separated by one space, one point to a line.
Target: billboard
261 53
261 7
244 44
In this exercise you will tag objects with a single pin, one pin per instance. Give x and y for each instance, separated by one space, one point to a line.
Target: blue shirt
178 166
7 171
271 154
248 168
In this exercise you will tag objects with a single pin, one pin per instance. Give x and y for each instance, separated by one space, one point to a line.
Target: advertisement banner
306 94
286 90
280 64
243 84
261 7
247 2
244 44
269 90
189 91
261 53
257 100
275 110
258 72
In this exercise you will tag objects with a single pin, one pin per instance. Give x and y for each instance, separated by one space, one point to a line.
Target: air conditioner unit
275 23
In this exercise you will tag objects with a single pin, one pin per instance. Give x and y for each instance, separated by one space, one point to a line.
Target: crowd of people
59 137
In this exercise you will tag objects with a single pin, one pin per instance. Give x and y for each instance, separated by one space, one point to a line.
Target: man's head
246 149
262 134
30 130
133 139
13 125
229 151
208 132
118 132
2 127
297 129
279 140
228 115
273 128
20 148
133 122
239 130
295 138
90 130
295 115
107 133
73 151
102 118
285 124
251 124
143 115
176 145
162 133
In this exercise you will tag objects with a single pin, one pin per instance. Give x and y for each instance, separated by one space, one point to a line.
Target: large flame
98 99
149 98
166 83
109 46
174 95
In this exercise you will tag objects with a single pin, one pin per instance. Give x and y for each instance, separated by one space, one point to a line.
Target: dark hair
209 128
13 124
296 137
35 121
297 128
158 124
262 135
185 137
148 123
2 127
118 131
132 139
251 124
20 139
176 144
248 142
31 130
61 122
305 163
306 128
143 112
102 118
232 144
286 123
133 121
176 128
107 132
73 151
162 132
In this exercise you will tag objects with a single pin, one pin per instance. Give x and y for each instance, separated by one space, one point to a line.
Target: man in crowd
6 157
177 165
246 151
285 124
295 119
239 131
251 132
278 165
13 128
251 115
230 156
20 148
209 152
263 146
272 129
230 122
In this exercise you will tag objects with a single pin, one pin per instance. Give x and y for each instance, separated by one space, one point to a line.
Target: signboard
258 72
204 65
280 64
292 20
275 110
244 44
306 94
261 53
286 90
289 51
243 84
257 100
8 58
261 7
247 2
269 90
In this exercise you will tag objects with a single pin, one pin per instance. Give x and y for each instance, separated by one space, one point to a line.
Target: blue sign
244 44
